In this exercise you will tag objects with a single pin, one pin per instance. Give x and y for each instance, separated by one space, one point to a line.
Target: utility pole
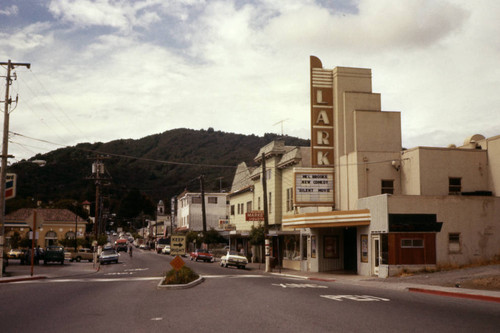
266 217
203 211
5 142
98 175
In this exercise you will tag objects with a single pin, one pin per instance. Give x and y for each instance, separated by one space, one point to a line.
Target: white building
189 211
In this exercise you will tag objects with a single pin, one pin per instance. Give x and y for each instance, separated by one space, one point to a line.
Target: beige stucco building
356 200
52 225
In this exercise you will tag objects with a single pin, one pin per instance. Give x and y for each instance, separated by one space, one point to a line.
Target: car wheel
78 259
191 258
196 259
62 262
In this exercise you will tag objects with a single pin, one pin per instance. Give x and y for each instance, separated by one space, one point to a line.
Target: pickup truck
81 254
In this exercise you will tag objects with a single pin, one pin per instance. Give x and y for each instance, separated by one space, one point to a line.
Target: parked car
107 256
15 254
166 249
81 254
233 258
200 254
54 254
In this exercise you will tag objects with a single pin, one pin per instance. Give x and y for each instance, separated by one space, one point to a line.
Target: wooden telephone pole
98 175
5 142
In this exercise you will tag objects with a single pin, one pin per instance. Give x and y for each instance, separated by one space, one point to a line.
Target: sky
103 70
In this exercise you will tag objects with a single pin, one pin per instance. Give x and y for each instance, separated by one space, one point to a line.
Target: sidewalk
16 272
437 283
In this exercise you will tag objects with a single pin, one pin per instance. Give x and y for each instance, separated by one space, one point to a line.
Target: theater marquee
314 188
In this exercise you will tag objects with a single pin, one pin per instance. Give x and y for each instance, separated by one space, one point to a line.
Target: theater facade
356 201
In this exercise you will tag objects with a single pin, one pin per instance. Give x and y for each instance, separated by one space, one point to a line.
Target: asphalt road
124 298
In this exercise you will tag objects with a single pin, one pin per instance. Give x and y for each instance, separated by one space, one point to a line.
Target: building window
455 186
242 208
258 203
454 242
268 174
232 210
270 203
196 200
412 243
289 199
387 186
249 206
212 200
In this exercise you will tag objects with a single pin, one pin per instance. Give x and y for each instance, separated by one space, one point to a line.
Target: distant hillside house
52 225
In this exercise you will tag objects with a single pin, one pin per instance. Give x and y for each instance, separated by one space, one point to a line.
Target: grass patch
184 275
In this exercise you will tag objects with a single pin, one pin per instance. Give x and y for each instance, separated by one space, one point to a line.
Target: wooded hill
141 171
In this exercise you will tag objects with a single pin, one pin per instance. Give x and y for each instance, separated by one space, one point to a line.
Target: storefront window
292 247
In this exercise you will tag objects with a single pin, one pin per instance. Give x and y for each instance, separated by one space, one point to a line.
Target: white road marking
357 298
232 276
157 318
299 285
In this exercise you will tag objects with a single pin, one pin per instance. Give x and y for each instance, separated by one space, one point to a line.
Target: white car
166 249
233 258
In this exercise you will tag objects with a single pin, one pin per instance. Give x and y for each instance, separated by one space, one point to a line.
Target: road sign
177 263
178 245
10 186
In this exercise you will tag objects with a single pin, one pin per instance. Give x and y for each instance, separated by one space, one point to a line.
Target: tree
15 240
212 236
257 236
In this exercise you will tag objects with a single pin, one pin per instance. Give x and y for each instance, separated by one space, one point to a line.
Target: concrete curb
179 286
21 278
479 297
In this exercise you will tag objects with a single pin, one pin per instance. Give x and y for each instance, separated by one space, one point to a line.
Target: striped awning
346 218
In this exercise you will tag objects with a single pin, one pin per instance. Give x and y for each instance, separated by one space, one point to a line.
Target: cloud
29 38
124 69
122 15
10 11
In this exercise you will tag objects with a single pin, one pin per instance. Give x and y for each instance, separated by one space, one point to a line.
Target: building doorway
350 250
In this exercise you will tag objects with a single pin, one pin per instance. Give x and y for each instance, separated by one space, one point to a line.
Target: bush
183 276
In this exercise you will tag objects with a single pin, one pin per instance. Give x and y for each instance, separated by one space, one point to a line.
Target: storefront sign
254 215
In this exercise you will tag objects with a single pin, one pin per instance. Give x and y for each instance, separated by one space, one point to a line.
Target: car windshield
108 252
234 253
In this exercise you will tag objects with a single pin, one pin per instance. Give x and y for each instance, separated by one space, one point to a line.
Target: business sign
322 144
10 186
178 245
254 215
314 188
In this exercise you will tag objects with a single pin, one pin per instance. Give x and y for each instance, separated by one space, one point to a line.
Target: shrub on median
182 276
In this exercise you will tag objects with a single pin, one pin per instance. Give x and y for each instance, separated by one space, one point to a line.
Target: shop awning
346 218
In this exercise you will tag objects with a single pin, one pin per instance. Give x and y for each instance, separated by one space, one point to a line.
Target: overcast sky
114 69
